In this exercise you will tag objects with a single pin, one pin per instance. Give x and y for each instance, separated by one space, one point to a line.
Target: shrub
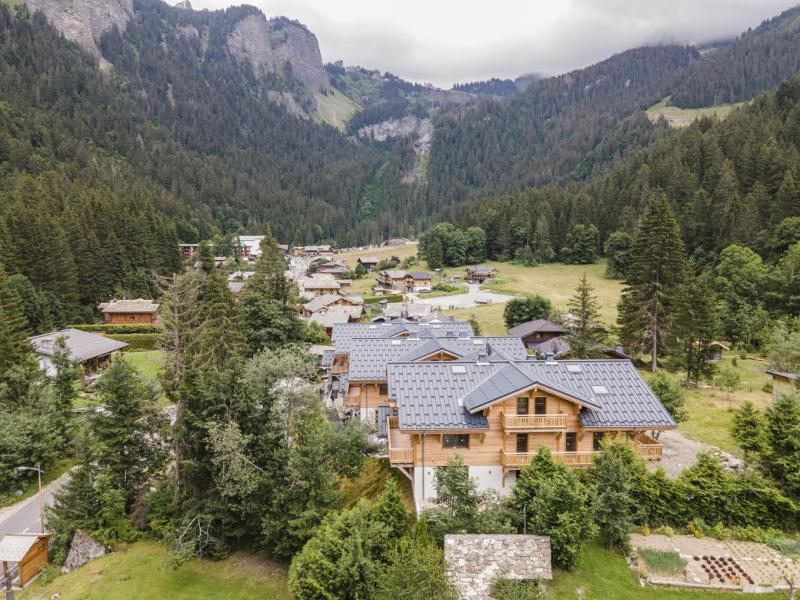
516 589
116 328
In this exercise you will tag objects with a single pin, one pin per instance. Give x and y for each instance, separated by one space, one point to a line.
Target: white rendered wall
488 478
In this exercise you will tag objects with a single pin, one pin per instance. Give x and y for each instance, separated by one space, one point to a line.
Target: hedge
137 341
376 299
118 329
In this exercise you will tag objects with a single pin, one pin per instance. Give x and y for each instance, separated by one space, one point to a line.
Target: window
599 389
522 405
383 389
540 405
522 442
572 442
459 440
597 441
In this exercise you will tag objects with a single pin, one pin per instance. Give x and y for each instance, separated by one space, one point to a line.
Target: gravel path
681 452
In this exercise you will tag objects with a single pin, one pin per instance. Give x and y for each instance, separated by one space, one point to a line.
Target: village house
560 348
188 250
353 305
419 282
784 383
497 413
537 331
480 274
392 279
368 262
333 268
321 250
91 351
248 247
129 311
319 285
404 281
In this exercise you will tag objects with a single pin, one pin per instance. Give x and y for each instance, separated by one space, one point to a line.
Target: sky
448 41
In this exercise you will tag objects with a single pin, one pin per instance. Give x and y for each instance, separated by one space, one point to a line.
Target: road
468 300
23 517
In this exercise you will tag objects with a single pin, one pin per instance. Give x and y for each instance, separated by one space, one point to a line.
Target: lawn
710 414
142 571
149 362
681 117
365 284
604 575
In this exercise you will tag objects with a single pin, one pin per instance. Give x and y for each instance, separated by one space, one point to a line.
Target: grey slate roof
433 396
82 345
420 275
364 330
369 356
139 305
321 302
535 326
785 375
327 357
560 347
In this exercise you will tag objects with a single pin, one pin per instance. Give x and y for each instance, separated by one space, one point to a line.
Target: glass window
383 389
597 441
522 405
522 442
572 441
541 405
459 440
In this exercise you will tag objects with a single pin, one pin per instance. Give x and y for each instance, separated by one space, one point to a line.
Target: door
522 442
522 405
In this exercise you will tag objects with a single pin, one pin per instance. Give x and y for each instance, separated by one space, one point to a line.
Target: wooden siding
366 395
33 561
130 318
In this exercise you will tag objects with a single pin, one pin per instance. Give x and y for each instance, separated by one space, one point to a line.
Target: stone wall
83 549
475 561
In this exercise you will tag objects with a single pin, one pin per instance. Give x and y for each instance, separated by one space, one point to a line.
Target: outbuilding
23 555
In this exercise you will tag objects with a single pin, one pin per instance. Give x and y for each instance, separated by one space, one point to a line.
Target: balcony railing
398 455
516 460
534 422
649 448
338 369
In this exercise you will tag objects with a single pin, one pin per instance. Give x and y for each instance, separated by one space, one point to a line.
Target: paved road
23 517
473 297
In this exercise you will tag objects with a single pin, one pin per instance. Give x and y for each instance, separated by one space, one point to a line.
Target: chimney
488 349
549 358
483 358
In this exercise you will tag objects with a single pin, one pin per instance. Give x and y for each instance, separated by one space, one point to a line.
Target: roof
481 270
320 283
236 286
82 345
368 357
327 357
331 317
419 275
374 260
140 305
320 350
451 395
394 328
325 300
535 326
785 375
15 546
560 347
394 273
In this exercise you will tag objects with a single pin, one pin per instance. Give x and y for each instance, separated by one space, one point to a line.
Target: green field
334 108
149 362
142 572
681 117
364 285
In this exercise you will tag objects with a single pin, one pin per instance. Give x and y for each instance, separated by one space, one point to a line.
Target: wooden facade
26 553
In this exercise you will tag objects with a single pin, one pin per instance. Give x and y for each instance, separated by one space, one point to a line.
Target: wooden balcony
514 423
337 369
517 460
353 399
648 448
400 451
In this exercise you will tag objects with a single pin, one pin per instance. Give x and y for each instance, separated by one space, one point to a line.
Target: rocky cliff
84 21
271 45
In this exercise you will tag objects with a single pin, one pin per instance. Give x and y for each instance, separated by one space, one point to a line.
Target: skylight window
599 389
574 368
436 326
396 342
477 342
373 326
459 369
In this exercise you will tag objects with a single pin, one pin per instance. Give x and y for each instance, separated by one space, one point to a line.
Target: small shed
25 552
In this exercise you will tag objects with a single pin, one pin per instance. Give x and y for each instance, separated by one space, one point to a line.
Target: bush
137 341
114 328
514 589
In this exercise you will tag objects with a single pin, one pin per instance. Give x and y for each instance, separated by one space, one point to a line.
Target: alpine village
273 327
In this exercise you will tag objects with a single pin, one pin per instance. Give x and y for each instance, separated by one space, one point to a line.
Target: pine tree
67 373
657 270
782 457
206 257
434 254
584 305
747 430
14 347
616 472
391 511
694 328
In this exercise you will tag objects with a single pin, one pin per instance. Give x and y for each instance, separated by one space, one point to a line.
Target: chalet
392 279
90 350
480 274
322 250
497 413
333 268
537 331
560 348
398 328
364 362
784 383
368 262
419 282
188 250
129 311
22 556
336 315
353 304
248 247
319 285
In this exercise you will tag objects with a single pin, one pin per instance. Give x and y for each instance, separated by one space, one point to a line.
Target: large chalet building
434 389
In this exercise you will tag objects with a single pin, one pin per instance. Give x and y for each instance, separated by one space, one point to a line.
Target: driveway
23 517
473 297
681 452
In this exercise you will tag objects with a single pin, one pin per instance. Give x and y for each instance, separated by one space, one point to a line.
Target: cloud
447 41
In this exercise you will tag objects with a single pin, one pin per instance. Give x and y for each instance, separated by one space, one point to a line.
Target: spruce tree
585 306
694 329
617 472
657 270
747 430
14 347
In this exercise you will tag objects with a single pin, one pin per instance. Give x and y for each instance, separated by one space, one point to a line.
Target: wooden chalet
188 250
480 274
319 285
368 262
91 351
537 331
784 383
129 311
354 305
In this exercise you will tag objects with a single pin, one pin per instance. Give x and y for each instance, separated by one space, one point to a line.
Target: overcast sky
447 41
